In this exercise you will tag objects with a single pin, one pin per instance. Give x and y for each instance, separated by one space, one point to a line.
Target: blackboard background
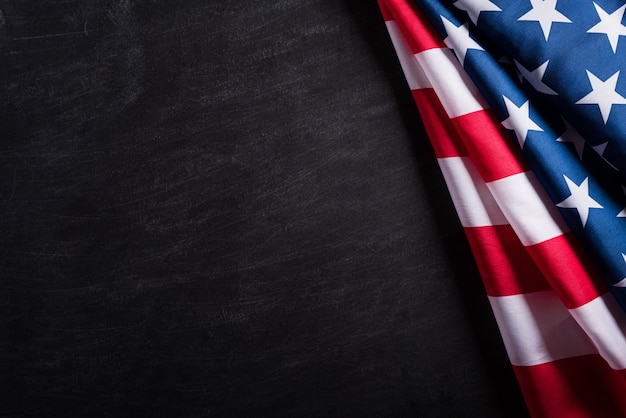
228 209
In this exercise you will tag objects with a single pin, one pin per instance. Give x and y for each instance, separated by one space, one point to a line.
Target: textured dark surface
228 209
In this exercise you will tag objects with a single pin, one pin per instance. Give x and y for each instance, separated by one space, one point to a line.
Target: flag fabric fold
557 307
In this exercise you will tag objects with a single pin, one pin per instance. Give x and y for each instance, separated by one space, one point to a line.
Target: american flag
523 104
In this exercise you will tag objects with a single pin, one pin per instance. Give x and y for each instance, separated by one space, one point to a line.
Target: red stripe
568 270
504 264
384 11
441 132
488 144
414 26
576 387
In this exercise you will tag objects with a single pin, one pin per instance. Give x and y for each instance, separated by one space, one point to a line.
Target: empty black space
228 209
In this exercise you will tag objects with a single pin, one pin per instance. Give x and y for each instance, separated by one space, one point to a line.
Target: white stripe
414 75
605 323
456 91
537 328
470 195
528 208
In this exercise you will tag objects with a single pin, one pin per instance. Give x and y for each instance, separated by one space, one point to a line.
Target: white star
603 94
623 282
600 150
535 77
519 120
459 39
544 12
570 135
622 213
579 199
505 60
610 25
475 7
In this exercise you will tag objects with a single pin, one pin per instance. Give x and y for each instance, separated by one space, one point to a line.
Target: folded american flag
522 106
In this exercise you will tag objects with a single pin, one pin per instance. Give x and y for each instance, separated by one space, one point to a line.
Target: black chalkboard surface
228 209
